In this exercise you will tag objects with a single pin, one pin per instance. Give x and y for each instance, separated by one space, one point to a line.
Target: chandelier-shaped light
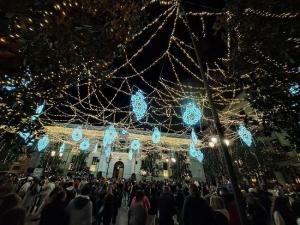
77 134
110 135
107 151
38 111
294 89
138 104
62 147
43 143
27 137
191 114
124 132
245 135
85 144
199 156
192 150
130 154
156 136
194 137
135 145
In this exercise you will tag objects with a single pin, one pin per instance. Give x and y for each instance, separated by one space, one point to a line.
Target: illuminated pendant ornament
156 136
199 156
77 134
39 109
130 154
34 117
85 144
42 143
110 135
107 151
139 105
191 114
124 132
194 137
62 148
95 148
245 135
24 135
294 89
135 145
192 150
10 87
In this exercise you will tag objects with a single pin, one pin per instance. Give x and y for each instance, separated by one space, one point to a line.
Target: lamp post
218 126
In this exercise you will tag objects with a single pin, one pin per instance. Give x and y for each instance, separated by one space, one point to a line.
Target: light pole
218 126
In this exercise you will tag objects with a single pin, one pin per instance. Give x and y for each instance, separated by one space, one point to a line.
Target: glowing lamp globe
135 145
110 135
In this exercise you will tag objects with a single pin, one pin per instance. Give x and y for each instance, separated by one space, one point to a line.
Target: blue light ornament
294 89
138 104
194 137
85 144
199 156
62 147
40 108
156 136
191 114
110 135
77 134
130 154
245 135
192 150
43 143
107 151
135 145
95 148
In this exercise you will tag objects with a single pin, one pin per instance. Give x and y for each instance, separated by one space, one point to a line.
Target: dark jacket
54 213
137 215
220 218
14 216
196 211
80 211
166 208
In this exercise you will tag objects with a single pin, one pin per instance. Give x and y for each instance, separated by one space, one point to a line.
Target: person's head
281 204
193 188
6 185
86 189
217 202
166 189
59 196
139 196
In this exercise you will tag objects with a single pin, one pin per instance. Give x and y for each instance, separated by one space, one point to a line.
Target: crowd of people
82 201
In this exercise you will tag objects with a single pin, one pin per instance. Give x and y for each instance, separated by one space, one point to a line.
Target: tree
149 163
264 60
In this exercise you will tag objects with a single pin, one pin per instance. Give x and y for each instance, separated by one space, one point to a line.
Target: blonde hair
217 202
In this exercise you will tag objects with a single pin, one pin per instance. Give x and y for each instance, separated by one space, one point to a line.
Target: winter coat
54 213
137 214
196 211
80 211
166 208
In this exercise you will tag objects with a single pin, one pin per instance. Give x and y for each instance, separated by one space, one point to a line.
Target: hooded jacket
80 211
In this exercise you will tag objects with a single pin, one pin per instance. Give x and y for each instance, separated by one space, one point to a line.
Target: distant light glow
139 105
34 117
245 135
226 142
43 143
77 134
194 137
214 140
191 114
130 154
294 89
124 132
85 144
110 135
10 87
156 135
211 144
135 145
62 147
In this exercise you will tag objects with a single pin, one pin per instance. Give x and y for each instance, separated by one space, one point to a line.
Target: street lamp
214 140
226 142
173 160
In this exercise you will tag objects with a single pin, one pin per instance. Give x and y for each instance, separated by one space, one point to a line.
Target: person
179 200
54 212
10 211
153 207
256 211
221 214
31 196
25 187
138 212
108 207
282 212
80 208
166 207
196 210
